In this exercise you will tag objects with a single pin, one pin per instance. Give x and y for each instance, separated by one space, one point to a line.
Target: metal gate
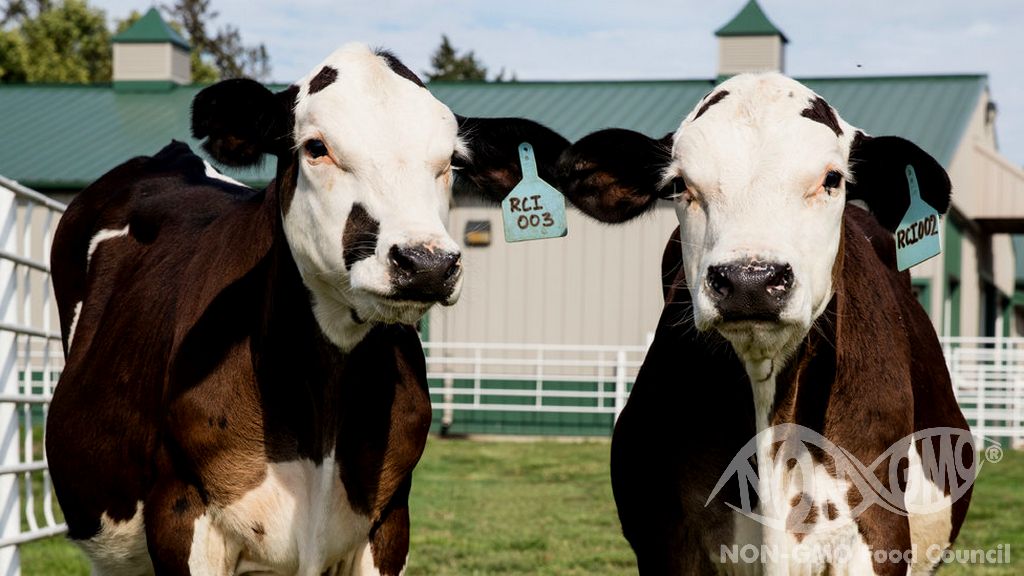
30 362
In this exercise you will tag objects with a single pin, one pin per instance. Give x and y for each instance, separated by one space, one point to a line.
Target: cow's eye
316 148
832 180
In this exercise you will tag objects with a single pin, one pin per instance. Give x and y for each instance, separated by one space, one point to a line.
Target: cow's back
118 259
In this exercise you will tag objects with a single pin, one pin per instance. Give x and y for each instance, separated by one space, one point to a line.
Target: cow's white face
761 215
365 223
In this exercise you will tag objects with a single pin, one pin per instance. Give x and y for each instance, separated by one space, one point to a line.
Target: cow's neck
335 319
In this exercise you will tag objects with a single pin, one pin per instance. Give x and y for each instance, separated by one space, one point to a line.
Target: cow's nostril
454 265
781 280
404 259
718 281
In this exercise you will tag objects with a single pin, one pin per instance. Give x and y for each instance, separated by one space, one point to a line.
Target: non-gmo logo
945 456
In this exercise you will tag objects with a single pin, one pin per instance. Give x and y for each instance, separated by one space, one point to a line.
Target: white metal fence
30 361
534 378
988 379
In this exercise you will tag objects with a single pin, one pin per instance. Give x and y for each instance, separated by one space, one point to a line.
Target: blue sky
648 39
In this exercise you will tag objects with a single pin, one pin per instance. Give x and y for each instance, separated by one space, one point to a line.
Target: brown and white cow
784 315
243 394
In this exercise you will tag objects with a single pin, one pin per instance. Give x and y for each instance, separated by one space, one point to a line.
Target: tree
68 41
62 42
449 65
224 49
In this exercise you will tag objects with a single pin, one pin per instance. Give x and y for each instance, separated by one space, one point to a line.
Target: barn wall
738 54
142 61
599 285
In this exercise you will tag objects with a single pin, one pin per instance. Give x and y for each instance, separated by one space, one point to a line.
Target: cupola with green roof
750 43
150 55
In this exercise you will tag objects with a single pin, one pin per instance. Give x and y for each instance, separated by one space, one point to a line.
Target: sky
650 39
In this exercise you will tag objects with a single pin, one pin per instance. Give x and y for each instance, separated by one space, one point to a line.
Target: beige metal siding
181 66
599 285
970 288
738 54
142 62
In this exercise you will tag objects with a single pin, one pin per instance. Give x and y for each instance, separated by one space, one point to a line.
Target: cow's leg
386 550
181 541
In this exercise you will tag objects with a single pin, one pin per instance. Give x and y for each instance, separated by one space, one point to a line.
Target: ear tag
534 209
917 237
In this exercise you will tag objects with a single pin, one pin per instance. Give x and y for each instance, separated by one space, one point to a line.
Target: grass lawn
546 508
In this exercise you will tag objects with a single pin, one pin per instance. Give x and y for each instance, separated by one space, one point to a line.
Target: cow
243 392
790 346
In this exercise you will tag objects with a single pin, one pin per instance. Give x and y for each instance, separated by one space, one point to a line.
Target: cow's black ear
880 181
242 120
488 159
614 175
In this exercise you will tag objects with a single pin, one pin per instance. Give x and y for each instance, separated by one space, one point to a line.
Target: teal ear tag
917 237
534 209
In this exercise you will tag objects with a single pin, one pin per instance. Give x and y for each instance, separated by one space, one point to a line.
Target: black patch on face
222 423
820 111
398 68
180 505
324 78
359 241
714 99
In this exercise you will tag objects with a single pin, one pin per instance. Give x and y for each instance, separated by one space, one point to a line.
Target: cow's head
760 173
365 166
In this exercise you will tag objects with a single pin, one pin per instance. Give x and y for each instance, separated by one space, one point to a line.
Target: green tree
67 42
448 64
224 48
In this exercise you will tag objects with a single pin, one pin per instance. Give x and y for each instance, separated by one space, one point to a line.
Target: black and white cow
785 315
243 394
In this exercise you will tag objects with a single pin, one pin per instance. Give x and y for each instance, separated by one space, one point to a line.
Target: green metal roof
61 137
751 21
151 28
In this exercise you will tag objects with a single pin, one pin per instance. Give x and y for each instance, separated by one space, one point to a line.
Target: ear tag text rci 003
534 209
917 236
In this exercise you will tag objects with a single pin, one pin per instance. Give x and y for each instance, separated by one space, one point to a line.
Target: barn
547 335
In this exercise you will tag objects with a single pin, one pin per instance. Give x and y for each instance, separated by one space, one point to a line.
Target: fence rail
30 360
988 380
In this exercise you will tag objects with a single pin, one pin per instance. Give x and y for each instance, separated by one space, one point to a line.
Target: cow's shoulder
160 236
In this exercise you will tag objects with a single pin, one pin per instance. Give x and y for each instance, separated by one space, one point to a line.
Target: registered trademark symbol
994 454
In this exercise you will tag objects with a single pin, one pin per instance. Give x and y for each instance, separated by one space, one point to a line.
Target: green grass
515 508
546 508
996 517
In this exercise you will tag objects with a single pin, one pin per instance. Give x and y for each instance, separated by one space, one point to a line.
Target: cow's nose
750 290
424 274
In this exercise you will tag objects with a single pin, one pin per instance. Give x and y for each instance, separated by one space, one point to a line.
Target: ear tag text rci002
917 236
534 209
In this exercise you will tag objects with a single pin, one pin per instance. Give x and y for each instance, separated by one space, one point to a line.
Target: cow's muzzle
424 274
750 290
